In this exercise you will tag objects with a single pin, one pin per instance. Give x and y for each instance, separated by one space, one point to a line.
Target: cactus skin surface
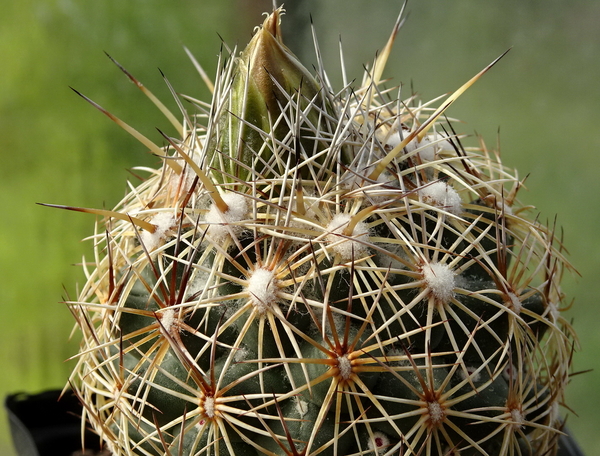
316 271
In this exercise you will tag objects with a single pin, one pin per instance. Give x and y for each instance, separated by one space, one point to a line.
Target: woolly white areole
347 248
440 279
221 224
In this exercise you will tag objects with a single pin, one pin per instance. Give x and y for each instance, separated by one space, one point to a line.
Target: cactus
314 271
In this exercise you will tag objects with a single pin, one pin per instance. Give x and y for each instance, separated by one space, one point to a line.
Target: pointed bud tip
272 67
272 23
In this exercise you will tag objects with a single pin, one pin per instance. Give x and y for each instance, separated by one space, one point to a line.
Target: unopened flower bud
275 108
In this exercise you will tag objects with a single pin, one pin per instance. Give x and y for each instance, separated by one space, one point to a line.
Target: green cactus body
322 274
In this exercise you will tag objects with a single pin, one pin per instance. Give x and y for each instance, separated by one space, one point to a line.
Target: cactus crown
328 272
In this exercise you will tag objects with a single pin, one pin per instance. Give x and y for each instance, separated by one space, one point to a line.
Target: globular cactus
314 271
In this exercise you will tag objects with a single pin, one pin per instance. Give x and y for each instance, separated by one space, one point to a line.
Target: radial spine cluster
321 271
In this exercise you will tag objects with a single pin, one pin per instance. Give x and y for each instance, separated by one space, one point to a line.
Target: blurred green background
543 96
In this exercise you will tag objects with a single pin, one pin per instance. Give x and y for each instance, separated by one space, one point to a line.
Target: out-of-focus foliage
56 148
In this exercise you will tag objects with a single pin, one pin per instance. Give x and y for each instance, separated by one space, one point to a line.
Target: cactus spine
327 272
